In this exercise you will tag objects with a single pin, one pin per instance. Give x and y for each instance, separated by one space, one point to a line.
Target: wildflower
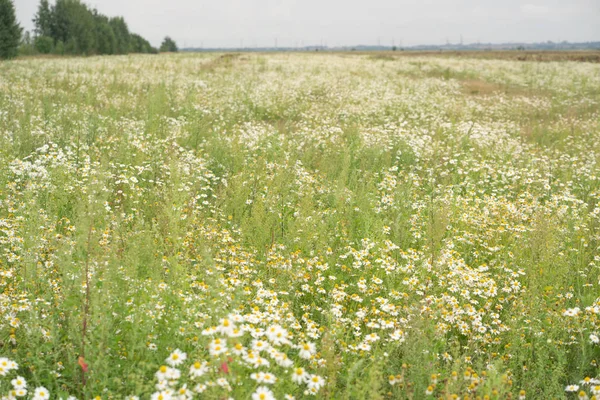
217 347
259 345
198 369
373 337
235 332
41 393
162 395
19 383
263 393
594 338
184 393
283 360
364 346
176 358
315 381
264 377
223 382
307 350
277 335
199 388
299 375
572 312
572 388
238 349
226 327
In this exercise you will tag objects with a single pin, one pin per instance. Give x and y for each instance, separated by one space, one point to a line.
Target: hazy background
249 23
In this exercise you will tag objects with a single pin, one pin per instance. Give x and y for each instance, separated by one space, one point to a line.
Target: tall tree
10 31
71 27
122 36
168 45
105 36
140 45
73 24
43 19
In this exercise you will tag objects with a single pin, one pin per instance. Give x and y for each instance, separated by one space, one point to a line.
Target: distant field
515 55
389 225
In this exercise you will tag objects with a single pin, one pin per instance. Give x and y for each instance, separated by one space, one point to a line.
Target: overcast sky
231 23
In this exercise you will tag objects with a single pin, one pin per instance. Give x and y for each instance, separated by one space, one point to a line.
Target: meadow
336 226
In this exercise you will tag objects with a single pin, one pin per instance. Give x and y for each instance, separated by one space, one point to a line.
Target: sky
288 23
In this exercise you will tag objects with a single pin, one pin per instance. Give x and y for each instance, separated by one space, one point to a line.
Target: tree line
71 27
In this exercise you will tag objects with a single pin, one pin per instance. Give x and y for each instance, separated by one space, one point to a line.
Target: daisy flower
263 393
19 383
315 381
198 369
307 350
41 393
176 358
299 375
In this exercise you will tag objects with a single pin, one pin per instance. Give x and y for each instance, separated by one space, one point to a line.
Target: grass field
339 226
592 56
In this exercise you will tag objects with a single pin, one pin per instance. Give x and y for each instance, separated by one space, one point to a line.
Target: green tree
10 31
71 27
43 19
140 45
73 24
168 45
105 36
122 36
44 44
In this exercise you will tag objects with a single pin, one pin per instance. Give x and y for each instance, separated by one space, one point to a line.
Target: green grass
429 224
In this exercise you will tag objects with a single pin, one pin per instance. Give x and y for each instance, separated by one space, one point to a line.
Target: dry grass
224 60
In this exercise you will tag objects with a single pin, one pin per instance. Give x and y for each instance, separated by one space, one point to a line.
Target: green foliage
10 31
168 46
140 45
74 28
107 40
44 44
122 36
43 19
